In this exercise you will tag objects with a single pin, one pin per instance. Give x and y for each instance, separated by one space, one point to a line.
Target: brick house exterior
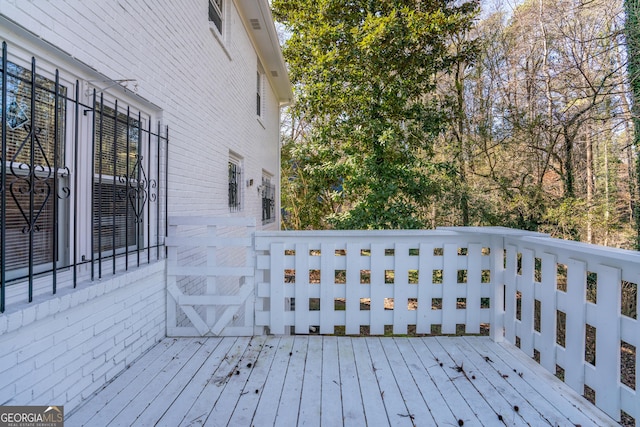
209 75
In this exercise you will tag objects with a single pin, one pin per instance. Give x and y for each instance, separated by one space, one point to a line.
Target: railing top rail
355 233
494 231
619 255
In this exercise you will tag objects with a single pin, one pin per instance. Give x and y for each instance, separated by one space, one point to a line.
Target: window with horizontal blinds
33 152
117 227
82 183
118 174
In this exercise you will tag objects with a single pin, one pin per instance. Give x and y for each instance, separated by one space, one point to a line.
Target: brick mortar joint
73 298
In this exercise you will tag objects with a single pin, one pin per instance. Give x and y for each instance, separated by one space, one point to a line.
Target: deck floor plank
455 400
267 409
480 405
417 409
436 403
567 402
534 407
491 385
152 389
206 400
291 396
254 387
310 405
237 380
176 384
335 381
352 411
330 399
370 392
391 396
107 402
180 407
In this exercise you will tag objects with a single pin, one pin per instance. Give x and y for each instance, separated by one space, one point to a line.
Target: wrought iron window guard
45 218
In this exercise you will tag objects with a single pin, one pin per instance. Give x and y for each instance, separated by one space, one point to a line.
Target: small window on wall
259 89
235 178
215 13
268 191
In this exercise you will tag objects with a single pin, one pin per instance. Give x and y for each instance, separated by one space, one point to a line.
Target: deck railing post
497 273
607 380
575 324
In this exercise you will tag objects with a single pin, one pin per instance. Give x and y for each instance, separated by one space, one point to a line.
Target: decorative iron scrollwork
33 180
138 189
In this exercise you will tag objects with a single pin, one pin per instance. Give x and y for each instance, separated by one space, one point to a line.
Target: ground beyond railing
559 301
570 306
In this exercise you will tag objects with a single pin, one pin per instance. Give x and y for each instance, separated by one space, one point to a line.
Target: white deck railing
564 306
431 279
561 302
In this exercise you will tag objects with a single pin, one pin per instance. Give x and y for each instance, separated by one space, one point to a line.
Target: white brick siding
60 349
207 97
86 337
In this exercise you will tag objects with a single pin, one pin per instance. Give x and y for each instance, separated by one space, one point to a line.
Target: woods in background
421 114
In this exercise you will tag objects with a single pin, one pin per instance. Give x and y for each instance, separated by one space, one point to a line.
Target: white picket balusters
559 301
375 281
571 306
563 307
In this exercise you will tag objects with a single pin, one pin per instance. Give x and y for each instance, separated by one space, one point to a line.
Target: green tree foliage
365 72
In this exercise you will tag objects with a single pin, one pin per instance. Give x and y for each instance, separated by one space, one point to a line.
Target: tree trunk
590 182
462 162
632 31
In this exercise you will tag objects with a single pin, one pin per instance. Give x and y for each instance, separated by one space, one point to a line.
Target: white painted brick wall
64 357
207 98
60 350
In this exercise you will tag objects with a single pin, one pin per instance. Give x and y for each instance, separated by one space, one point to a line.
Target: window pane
215 13
117 206
234 188
29 189
113 152
114 220
17 230
19 126
268 201
258 95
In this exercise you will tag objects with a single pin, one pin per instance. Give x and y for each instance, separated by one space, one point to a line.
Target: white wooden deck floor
334 381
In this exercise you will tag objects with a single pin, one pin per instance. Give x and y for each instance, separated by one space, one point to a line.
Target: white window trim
260 81
221 36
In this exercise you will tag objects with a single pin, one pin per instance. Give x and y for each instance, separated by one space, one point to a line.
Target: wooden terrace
334 381
276 323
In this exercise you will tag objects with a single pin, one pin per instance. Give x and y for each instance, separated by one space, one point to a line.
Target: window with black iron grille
268 201
215 13
234 185
56 214
119 173
33 146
